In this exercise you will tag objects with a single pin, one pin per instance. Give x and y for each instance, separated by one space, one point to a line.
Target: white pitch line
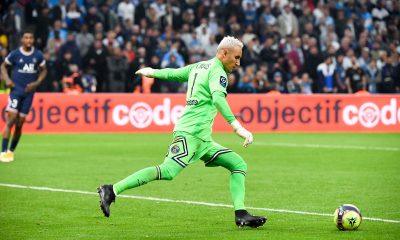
186 202
296 145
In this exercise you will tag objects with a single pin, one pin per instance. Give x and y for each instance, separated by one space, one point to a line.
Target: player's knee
10 122
19 124
241 165
167 172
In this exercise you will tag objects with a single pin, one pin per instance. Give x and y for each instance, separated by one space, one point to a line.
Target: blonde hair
229 42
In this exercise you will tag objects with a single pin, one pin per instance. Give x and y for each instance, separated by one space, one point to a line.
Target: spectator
171 86
129 52
171 17
232 84
70 46
42 28
126 10
277 83
84 40
249 10
265 20
373 75
110 42
96 59
166 60
288 23
326 72
306 84
296 53
139 60
250 55
108 18
294 85
211 49
58 12
246 86
380 15
340 75
58 32
63 65
89 82
261 82
364 59
117 68
389 76
269 53
159 7
310 66
355 78
203 32
92 18
71 82
307 17
73 17
49 84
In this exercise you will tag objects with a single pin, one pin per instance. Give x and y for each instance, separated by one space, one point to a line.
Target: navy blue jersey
25 67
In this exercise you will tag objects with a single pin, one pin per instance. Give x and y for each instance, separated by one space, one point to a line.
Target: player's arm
174 74
5 76
219 100
42 74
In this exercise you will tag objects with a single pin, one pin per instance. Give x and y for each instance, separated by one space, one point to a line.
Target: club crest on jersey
223 81
175 149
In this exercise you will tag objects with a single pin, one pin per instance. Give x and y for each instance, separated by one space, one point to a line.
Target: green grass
292 177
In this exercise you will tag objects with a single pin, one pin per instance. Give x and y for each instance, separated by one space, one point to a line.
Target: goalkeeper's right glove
242 132
147 72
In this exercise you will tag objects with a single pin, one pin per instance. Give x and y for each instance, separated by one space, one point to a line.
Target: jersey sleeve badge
223 81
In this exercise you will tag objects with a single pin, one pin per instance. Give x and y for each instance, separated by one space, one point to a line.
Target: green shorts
186 149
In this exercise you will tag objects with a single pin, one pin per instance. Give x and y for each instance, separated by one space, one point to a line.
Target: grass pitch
309 173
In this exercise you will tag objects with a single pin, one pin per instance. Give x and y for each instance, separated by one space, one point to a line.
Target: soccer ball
347 217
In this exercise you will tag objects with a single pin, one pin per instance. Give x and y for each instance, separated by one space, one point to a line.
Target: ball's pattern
347 217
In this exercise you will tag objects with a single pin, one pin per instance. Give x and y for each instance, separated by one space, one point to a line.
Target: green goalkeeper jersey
207 82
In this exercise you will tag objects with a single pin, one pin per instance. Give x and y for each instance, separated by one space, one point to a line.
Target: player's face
27 40
232 58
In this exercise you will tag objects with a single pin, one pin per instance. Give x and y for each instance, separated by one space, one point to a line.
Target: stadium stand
290 46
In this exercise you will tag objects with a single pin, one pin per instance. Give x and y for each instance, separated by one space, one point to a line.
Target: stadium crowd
299 46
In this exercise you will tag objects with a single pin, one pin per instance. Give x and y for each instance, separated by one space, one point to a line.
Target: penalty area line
185 202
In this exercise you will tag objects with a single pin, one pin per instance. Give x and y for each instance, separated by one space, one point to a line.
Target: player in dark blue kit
28 71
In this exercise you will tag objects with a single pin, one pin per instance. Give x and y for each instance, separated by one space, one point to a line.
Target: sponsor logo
142 115
28 68
192 102
369 114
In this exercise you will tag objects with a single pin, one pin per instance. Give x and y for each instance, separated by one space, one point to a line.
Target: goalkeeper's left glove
242 132
147 72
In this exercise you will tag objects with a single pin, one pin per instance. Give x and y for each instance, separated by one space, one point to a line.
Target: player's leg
25 103
17 132
10 122
220 156
181 153
12 109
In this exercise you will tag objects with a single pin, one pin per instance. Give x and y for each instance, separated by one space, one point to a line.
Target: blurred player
207 82
28 71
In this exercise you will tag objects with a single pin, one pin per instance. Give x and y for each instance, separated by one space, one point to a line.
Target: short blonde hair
229 42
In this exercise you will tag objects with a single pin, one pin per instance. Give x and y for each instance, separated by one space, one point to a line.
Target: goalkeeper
206 94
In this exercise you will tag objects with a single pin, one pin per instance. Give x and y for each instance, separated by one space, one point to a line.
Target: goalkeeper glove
243 133
147 72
